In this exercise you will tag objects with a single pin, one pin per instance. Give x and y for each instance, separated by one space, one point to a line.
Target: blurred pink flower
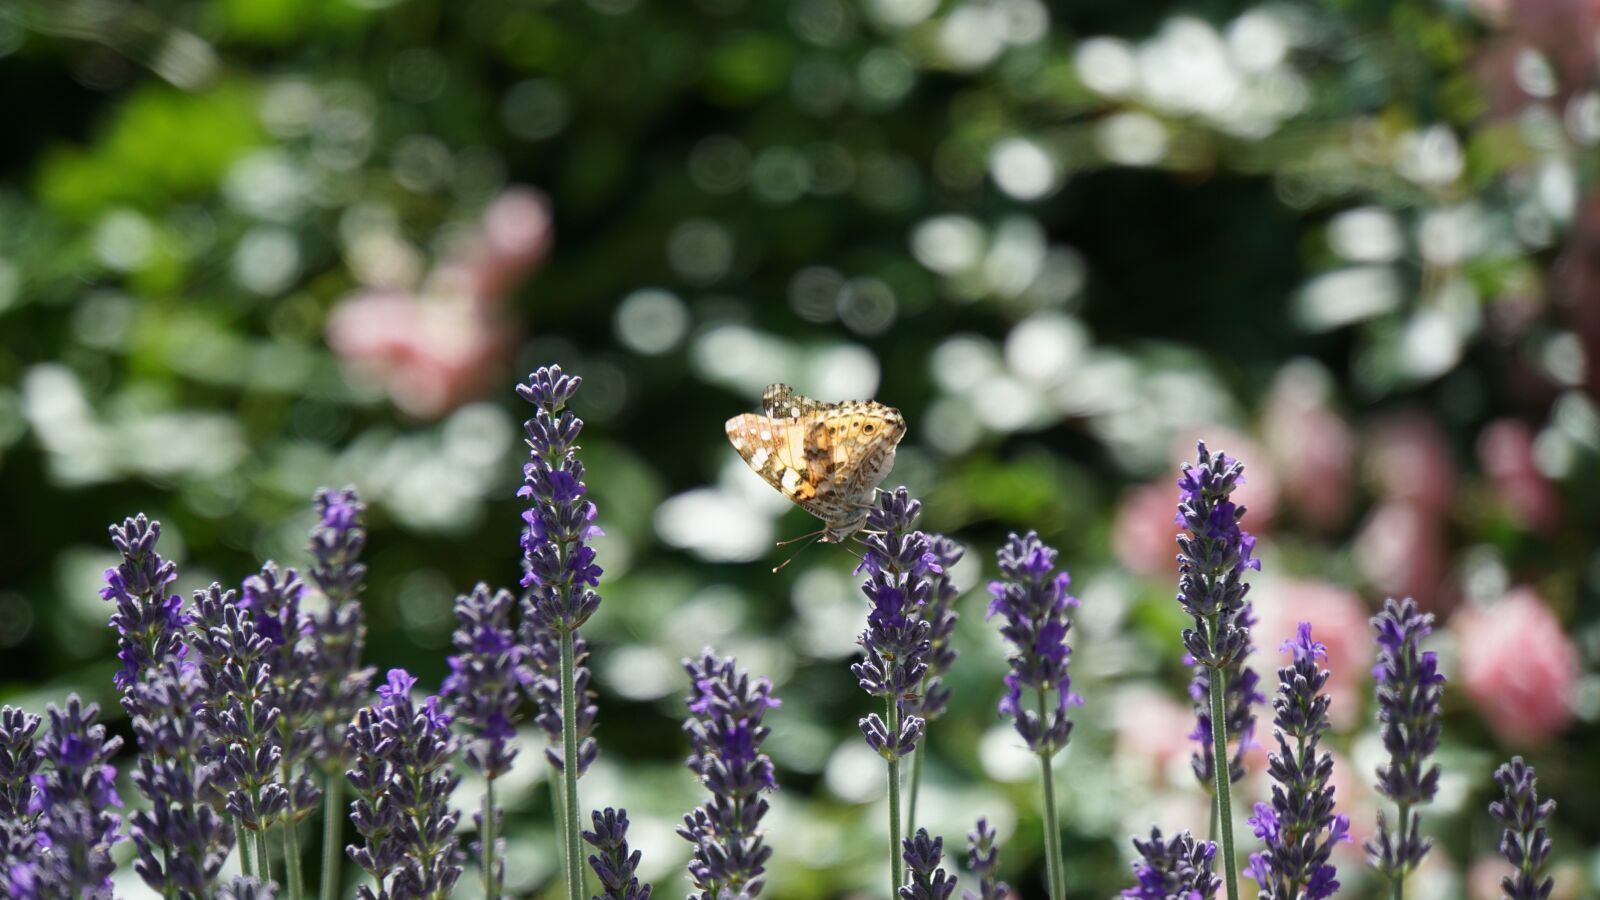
1505 450
1311 447
1339 619
1151 729
1483 877
1408 458
1142 534
443 345
1518 666
1401 551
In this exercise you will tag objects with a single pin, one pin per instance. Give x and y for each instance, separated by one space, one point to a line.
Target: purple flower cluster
339 634
983 858
542 680
1213 556
1176 869
1299 827
1240 697
400 755
725 734
73 797
1031 596
19 760
923 856
613 863
940 613
560 570
486 677
1409 689
182 840
900 563
1524 843
273 600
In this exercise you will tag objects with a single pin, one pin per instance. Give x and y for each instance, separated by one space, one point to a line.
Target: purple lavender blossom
181 839
558 561
237 710
1213 557
19 760
1240 697
1299 827
339 635
899 562
542 681
485 679
1031 596
983 858
1524 843
725 734
940 614
400 756
73 796
273 599
923 856
1176 869
1409 689
614 864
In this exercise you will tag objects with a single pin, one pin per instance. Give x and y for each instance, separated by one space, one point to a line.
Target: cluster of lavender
1239 699
1525 843
983 860
923 856
1299 827
613 863
72 826
933 695
1409 688
1176 869
726 707
400 769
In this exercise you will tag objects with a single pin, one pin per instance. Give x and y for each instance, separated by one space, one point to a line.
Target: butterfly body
828 458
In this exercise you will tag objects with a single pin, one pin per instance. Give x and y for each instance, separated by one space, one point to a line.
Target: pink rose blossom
1518 666
1338 619
1150 728
1409 458
1505 450
1401 550
1311 447
1142 534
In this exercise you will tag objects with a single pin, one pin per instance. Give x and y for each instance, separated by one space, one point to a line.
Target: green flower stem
569 767
332 825
263 863
914 788
1221 768
1398 883
491 884
896 870
291 843
1055 879
246 865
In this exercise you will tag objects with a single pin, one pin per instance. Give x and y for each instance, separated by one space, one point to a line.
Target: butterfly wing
776 450
779 401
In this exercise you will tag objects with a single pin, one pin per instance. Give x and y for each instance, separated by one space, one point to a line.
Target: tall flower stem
912 789
1398 882
291 843
569 769
246 865
1219 747
491 884
332 826
1053 861
263 862
896 867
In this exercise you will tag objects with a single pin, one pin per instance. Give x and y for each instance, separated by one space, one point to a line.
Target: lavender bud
725 734
1179 869
1213 557
1240 697
339 635
19 760
558 561
922 855
273 599
73 798
1032 599
541 678
149 620
1525 843
614 865
983 858
1299 827
940 614
900 563
485 678
1409 689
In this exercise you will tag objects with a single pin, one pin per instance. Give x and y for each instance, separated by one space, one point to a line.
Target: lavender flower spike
614 864
1300 826
19 760
1214 553
1032 599
73 798
542 655
900 564
725 735
484 689
559 569
1409 688
1240 697
181 838
983 858
940 614
401 773
922 855
1179 869
1525 843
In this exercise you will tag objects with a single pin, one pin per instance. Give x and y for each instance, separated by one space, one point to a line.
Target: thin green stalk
915 787
263 863
1398 884
246 866
1212 834
332 826
491 884
896 870
569 767
1055 879
1220 766
291 842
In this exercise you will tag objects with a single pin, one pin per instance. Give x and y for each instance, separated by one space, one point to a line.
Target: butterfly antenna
810 535
814 536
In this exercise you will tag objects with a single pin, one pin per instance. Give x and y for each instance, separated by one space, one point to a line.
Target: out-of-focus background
251 247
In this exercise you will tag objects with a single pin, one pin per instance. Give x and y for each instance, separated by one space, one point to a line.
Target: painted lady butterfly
826 457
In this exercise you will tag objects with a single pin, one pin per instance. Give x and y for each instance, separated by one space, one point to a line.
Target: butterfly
828 458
